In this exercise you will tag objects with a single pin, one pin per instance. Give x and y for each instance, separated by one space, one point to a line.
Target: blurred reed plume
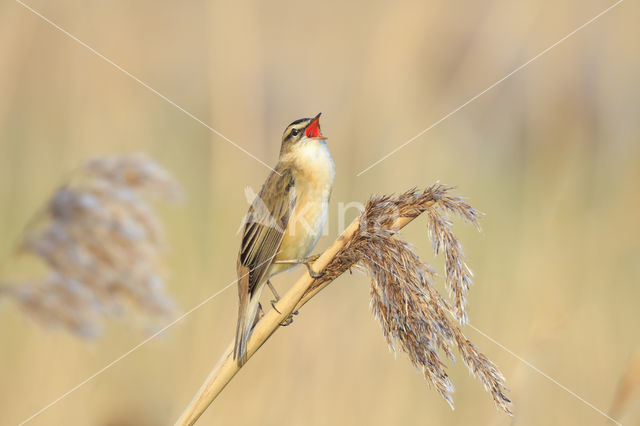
411 311
101 243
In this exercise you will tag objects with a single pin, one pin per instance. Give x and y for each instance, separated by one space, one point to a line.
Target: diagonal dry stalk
628 384
227 367
411 311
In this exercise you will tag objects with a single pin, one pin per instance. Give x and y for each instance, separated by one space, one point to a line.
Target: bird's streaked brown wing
266 223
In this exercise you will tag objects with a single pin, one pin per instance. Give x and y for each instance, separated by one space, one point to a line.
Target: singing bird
285 220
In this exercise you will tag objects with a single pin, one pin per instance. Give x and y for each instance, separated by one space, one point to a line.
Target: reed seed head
414 316
102 245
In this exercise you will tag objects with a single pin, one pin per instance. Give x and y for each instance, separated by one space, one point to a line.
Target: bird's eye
294 132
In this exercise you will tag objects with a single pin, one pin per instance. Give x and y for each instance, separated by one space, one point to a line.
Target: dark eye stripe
294 131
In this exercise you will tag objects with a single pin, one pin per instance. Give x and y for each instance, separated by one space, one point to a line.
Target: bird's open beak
313 129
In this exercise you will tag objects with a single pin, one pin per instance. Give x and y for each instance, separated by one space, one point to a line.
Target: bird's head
301 132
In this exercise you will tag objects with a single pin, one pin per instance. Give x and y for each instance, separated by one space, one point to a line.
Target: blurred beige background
551 156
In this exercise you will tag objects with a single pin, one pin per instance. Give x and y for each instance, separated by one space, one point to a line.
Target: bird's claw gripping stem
287 321
306 262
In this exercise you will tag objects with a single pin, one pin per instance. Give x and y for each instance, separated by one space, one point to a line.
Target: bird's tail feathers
248 311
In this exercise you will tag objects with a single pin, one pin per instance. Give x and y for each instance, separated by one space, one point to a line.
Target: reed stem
299 294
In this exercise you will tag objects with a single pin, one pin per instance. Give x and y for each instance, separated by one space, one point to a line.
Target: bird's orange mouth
313 129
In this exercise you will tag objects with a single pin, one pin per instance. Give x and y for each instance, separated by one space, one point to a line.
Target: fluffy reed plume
414 316
101 243
412 313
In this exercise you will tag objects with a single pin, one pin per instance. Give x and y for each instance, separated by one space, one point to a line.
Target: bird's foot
276 295
313 273
289 320
273 302
306 262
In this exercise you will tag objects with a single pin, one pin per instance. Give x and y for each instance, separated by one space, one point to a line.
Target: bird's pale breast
313 184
